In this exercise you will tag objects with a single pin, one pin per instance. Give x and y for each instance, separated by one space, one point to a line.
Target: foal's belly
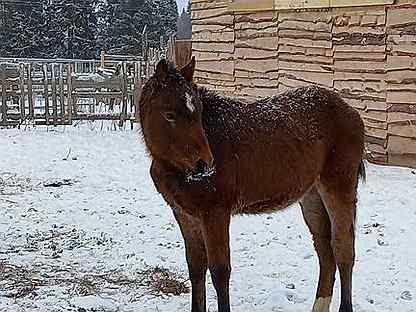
279 180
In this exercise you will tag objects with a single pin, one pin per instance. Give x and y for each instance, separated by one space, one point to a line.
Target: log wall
367 53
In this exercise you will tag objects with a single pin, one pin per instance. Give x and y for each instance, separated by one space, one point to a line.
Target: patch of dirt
18 281
13 184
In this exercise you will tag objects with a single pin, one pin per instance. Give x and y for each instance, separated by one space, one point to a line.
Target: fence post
54 98
61 93
22 93
70 100
30 92
137 88
46 91
3 98
102 59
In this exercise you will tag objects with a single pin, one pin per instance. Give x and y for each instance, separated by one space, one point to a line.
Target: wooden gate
57 92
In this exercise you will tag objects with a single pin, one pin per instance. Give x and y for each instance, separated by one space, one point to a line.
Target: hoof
322 304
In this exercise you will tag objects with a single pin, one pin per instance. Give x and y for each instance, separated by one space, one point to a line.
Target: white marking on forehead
189 104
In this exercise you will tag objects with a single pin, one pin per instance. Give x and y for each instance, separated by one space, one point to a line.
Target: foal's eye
170 116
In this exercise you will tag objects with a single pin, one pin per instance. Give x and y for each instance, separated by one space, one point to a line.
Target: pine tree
184 26
21 28
168 16
72 28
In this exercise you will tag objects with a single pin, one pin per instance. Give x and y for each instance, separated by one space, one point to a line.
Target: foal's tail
361 171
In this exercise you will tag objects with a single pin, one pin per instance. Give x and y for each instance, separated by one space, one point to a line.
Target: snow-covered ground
81 246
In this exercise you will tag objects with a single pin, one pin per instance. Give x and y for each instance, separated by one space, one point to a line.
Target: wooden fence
59 91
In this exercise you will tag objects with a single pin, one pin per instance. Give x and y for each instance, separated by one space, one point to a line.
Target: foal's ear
188 71
162 69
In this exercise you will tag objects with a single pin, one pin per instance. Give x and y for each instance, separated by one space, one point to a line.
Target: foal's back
275 149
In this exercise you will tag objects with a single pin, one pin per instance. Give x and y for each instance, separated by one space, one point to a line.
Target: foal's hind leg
196 258
318 222
338 192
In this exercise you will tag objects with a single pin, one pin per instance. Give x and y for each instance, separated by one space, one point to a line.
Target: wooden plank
399 117
137 89
403 130
405 160
61 92
250 5
22 93
358 3
54 95
300 4
399 17
70 90
46 92
3 99
400 145
30 91
401 97
124 91
263 65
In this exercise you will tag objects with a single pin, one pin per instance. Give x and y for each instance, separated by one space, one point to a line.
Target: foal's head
170 116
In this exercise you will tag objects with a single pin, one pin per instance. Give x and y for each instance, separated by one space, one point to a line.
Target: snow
105 218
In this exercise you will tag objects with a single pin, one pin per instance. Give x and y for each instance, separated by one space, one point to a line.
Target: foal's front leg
196 258
215 229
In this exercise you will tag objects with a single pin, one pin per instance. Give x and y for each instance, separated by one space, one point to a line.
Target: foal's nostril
201 166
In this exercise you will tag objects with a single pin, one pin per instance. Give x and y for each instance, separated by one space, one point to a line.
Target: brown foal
214 157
